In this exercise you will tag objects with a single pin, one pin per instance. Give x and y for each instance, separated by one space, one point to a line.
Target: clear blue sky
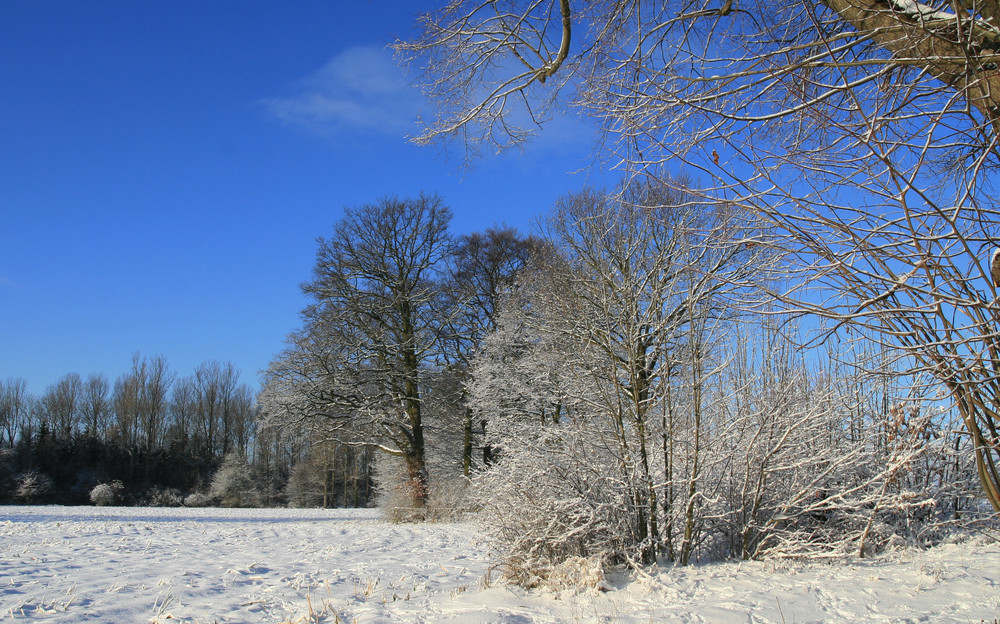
165 168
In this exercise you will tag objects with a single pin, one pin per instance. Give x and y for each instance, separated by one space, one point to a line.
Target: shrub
396 493
449 499
106 494
198 499
32 486
305 485
233 484
162 497
551 503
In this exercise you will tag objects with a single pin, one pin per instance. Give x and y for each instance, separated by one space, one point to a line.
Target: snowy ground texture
122 565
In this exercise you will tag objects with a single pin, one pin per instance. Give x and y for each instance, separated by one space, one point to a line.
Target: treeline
151 437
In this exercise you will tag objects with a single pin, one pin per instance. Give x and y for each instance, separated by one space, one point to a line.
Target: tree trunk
467 448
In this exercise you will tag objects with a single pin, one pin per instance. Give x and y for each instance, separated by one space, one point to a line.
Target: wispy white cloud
361 90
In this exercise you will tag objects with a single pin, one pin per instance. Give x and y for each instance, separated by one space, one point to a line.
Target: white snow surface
151 565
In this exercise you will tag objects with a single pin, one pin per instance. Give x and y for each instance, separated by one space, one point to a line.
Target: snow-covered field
83 564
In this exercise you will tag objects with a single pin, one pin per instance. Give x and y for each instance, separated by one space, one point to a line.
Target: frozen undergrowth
65 564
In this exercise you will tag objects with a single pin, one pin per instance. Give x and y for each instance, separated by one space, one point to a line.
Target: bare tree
183 413
360 363
635 65
96 404
864 133
125 402
216 391
243 418
15 405
484 268
139 400
156 378
60 405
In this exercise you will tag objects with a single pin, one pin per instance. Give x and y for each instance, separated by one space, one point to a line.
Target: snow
91 564
919 10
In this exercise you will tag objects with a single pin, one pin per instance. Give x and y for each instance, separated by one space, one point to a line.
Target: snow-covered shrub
102 495
198 499
552 498
233 484
162 497
395 491
305 485
32 486
449 498
816 465
106 494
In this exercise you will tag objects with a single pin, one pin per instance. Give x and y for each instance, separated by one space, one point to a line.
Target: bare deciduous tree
139 401
96 404
360 363
14 409
222 408
60 405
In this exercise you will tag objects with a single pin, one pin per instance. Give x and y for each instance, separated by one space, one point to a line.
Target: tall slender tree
96 404
14 409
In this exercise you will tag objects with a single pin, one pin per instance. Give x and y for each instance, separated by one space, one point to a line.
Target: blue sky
165 169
